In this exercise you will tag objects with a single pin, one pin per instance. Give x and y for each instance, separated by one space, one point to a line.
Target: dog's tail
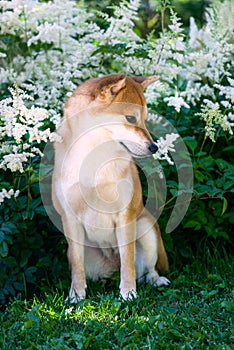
162 262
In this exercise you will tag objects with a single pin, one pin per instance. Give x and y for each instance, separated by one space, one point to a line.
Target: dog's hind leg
151 257
75 233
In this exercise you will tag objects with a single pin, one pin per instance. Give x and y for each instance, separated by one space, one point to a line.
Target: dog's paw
162 281
128 295
74 297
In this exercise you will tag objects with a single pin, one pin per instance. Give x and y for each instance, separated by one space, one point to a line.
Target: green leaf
199 175
28 324
8 227
228 185
225 204
193 223
25 254
3 249
2 236
168 242
190 142
175 334
228 305
197 335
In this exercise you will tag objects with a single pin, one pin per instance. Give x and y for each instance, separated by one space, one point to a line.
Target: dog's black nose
153 148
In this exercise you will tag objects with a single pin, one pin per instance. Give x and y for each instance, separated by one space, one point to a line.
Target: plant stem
164 6
202 146
212 147
29 196
163 16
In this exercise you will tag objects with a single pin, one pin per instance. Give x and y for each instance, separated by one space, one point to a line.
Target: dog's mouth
135 149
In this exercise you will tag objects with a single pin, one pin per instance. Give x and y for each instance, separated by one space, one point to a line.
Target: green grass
195 312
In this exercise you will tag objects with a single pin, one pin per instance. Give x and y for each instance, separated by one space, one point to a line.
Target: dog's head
118 103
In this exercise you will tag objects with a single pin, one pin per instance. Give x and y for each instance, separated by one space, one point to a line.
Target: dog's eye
131 119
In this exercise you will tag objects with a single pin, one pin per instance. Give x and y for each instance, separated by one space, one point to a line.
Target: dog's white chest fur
100 230
98 189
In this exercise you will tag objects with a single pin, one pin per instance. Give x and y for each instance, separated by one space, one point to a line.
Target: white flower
16 194
51 74
48 33
226 104
54 137
227 91
211 104
176 101
231 81
154 91
197 37
18 131
120 28
228 125
14 162
7 194
231 116
175 26
165 146
25 130
213 117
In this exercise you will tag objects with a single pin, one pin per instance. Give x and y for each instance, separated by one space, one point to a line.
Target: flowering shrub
46 50
22 132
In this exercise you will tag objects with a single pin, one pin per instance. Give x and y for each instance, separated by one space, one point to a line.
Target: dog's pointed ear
112 89
145 81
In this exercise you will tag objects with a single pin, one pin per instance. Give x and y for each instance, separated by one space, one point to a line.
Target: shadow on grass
195 312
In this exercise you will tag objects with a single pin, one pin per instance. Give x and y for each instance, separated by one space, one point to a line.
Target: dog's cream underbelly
101 247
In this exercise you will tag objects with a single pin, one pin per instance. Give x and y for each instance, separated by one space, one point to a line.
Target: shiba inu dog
96 187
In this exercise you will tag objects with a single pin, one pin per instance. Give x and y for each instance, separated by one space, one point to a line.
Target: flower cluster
194 71
59 38
121 26
7 194
53 41
54 47
176 101
214 118
165 146
21 132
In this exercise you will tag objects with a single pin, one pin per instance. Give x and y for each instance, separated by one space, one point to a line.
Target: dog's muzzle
153 148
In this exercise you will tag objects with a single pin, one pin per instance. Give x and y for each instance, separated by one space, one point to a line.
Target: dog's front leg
126 236
75 234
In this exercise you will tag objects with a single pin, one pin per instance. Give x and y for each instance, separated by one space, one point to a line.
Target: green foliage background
33 251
